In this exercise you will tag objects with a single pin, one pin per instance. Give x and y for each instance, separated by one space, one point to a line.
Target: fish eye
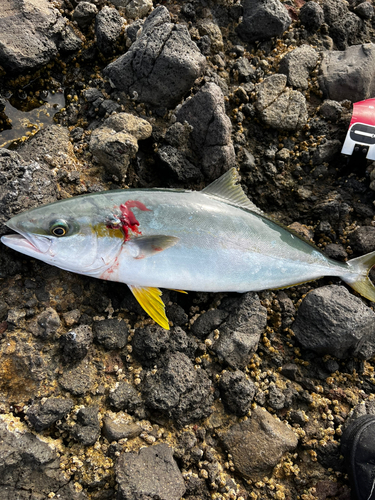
59 228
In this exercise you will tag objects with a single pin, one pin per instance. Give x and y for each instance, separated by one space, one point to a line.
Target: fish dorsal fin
227 189
149 299
145 246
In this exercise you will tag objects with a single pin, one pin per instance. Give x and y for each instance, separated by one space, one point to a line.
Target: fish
213 240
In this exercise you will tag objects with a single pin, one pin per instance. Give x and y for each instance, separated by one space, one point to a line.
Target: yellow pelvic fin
149 299
180 291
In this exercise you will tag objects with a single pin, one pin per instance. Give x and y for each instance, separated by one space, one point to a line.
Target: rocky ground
246 396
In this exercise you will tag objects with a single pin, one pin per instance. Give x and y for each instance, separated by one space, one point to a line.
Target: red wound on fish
127 219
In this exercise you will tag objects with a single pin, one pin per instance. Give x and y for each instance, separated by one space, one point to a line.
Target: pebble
125 397
263 20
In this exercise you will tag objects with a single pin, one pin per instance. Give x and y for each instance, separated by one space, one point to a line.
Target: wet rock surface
247 395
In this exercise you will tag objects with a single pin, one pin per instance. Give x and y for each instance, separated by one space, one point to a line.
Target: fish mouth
27 243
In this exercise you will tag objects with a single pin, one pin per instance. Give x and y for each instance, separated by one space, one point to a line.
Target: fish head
71 234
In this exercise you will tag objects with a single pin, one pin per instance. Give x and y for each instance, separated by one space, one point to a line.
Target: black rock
237 392
161 65
43 414
107 107
208 321
330 320
108 26
311 16
163 479
75 344
210 138
349 74
178 165
239 335
69 42
87 429
111 333
344 25
84 14
364 10
331 110
125 397
178 390
46 324
28 464
362 239
326 152
335 251
92 94
79 379
150 342
246 72
263 20
177 315
29 34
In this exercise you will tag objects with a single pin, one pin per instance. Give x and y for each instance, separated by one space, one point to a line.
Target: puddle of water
26 115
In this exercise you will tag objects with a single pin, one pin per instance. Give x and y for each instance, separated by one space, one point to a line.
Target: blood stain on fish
127 219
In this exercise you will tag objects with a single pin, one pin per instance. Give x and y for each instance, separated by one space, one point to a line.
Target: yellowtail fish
215 240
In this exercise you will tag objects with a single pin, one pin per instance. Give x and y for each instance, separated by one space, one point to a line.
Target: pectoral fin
145 246
149 299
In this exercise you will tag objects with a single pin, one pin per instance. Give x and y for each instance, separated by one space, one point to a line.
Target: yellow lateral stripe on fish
215 240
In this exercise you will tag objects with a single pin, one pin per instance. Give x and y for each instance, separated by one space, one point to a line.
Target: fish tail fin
363 285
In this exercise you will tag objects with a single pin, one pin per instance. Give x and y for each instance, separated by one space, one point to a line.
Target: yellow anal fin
149 299
179 291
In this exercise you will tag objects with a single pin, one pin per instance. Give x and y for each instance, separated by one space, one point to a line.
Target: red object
127 219
364 112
